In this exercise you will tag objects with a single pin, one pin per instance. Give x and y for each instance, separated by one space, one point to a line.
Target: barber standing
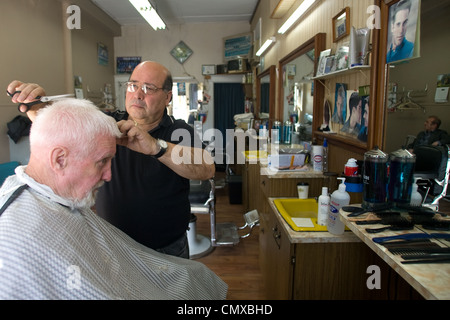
147 197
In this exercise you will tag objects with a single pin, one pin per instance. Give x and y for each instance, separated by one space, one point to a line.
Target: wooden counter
432 281
313 265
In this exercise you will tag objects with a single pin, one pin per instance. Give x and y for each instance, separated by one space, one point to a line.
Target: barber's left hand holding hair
29 92
136 139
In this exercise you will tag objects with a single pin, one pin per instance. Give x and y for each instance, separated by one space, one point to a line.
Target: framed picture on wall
208 69
127 64
102 54
341 24
181 52
401 45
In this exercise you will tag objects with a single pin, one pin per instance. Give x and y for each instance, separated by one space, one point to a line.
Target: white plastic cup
302 189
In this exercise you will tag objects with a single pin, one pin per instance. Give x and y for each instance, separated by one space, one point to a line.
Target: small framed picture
322 61
208 69
341 24
329 65
341 60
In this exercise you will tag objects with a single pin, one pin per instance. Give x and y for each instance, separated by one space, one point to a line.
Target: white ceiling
182 11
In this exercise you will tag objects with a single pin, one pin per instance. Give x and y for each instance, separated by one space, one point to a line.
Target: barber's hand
136 139
29 92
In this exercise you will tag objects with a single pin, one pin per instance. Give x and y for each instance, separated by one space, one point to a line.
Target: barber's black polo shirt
146 199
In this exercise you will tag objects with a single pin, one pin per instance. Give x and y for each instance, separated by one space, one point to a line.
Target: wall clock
181 52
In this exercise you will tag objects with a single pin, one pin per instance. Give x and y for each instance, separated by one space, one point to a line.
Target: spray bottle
324 203
338 199
416 197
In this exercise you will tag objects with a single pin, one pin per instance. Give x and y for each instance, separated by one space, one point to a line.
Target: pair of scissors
39 99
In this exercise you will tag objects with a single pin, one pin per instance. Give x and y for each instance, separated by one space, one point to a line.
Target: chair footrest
226 234
200 209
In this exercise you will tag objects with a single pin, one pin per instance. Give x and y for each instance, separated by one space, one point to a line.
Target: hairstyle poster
340 104
403 41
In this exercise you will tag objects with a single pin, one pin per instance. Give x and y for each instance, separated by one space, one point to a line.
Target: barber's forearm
190 163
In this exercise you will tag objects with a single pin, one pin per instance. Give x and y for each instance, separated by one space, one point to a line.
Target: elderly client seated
52 246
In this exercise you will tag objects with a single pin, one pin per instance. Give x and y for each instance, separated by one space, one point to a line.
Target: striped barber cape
50 251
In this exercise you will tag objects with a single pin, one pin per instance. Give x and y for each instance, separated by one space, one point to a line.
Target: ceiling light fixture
306 4
148 13
266 45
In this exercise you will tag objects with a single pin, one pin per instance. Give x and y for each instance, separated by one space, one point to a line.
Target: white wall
204 39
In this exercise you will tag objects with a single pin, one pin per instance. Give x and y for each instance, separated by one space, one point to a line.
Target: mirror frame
379 78
271 72
318 43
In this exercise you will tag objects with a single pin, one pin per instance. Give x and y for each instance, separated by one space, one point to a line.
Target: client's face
91 172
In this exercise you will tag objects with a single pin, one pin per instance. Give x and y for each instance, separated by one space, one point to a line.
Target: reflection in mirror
298 102
187 102
265 84
411 86
265 94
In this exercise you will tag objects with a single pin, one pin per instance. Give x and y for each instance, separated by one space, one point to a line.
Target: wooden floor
238 266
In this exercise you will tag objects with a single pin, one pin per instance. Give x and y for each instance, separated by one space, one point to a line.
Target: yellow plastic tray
299 208
255 154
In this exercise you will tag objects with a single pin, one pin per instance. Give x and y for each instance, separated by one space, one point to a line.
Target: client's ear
59 158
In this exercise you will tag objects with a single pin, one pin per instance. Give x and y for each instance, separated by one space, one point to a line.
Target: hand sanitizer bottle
338 199
416 197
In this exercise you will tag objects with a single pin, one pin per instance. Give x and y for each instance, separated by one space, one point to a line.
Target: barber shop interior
225 150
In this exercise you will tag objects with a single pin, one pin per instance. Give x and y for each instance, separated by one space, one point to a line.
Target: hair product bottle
338 199
324 204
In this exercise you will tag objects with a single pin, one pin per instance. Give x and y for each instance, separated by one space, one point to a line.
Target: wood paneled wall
319 20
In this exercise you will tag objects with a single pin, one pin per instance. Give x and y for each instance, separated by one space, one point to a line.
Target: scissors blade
51 98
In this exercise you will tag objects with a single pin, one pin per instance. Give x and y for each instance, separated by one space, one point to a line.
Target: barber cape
50 251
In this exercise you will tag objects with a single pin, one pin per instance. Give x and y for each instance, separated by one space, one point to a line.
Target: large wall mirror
411 85
265 92
298 93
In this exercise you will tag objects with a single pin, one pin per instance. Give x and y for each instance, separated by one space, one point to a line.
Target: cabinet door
337 271
276 254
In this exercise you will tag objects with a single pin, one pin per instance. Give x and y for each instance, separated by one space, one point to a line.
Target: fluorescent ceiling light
148 13
306 4
265 46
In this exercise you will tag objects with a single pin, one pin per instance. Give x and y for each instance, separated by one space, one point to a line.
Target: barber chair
203 201
432 170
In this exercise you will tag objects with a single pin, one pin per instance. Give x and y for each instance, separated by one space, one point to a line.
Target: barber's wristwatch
162 148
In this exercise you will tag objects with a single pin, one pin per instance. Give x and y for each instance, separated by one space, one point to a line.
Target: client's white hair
73 123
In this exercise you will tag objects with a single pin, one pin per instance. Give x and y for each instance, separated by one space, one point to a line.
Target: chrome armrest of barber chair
434 176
